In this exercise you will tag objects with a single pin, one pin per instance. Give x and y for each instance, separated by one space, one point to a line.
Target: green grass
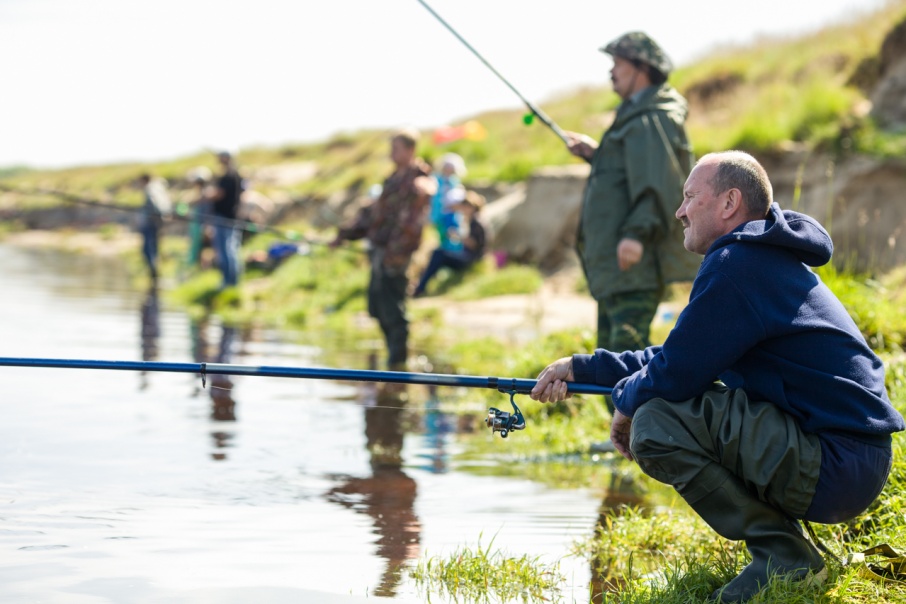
303 291
488 282
879 315
483 575
650 546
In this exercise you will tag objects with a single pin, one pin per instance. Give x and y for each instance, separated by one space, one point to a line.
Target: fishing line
535 110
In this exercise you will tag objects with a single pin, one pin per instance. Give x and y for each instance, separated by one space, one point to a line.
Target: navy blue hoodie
759 319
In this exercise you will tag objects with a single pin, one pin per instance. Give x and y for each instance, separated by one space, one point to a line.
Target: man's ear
732 206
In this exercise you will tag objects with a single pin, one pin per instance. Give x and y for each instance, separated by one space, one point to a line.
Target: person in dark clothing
155 210
473 244
225 209
393 225
799 424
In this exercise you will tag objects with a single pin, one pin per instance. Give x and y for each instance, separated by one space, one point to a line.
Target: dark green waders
747 469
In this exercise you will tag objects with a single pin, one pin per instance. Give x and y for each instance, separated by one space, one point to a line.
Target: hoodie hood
799 234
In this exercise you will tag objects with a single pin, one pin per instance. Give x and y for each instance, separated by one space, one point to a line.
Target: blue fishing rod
535 110
497 420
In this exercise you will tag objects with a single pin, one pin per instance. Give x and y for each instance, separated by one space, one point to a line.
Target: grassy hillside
765 96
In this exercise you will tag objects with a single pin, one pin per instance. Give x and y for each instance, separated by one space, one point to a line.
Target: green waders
746 468
387 304
624 323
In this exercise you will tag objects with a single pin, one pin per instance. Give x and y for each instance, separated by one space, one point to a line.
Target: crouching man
798 425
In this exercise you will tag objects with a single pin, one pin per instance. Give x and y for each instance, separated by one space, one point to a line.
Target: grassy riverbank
650 547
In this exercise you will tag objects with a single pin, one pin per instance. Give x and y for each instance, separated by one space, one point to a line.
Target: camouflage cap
637 46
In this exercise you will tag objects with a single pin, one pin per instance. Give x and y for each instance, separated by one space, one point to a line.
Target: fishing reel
503 421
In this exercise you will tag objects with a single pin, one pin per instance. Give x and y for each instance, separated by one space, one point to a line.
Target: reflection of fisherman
388 495
150 317
223 405
155 209
220 387
438 428
393 226
623 493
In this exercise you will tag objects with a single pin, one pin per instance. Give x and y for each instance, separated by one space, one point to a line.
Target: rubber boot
397 348
776 541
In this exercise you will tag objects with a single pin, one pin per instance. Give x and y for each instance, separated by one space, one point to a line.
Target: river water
129 488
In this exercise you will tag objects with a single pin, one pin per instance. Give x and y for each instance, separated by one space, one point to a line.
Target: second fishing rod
182 213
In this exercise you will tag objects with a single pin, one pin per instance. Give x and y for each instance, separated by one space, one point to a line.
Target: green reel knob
528 119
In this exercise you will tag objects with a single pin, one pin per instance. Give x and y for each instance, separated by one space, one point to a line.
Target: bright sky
90 81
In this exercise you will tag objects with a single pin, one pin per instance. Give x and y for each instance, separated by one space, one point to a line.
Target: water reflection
622 493
159 532
388 495
219 387
439 429
150 331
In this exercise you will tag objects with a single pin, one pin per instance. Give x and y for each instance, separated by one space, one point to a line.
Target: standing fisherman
155 208
629 242
393 226
225 200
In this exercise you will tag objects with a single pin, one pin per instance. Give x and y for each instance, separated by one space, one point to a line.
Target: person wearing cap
225 208
471 246
393 226
628 241
765 405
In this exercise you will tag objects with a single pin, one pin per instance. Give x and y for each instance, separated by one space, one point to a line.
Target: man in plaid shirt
393 227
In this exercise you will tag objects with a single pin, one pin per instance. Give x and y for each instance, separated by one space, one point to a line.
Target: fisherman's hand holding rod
553 385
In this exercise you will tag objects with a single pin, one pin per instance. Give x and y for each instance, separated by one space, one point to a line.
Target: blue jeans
440 258
226 246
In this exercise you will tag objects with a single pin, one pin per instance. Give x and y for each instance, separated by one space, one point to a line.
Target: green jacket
634 189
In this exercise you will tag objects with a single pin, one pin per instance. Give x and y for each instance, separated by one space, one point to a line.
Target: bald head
723 191
739 170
